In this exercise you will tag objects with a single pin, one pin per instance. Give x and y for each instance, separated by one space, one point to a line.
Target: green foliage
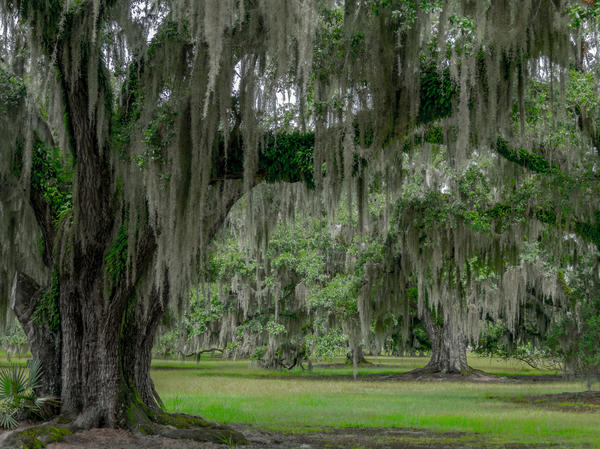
167 343
170 31
158 135
590 231
288 157
52 176
404 11
116 259
330 49
301 248
12 92
581 14
339 295
529 160
47 311
574 334
436 95
275 328
582 93
259 353
13 341
18 399
128 112
46 23
229 259
329 344
279 328
202 312
530 347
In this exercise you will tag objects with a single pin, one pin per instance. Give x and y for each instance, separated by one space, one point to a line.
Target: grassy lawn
20 360
380 365
240 392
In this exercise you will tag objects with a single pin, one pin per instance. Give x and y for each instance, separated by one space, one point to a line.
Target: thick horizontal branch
283 157
524 158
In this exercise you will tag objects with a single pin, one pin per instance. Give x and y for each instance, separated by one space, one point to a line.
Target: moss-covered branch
524 158
588 231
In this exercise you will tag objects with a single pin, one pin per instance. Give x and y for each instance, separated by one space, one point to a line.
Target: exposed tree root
467 374
182 426
174 426
37 436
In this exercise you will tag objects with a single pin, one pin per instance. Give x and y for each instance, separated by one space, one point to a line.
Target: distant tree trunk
360 356
448 347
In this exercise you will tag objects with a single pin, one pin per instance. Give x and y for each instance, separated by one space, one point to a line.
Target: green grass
380 365
240 392
20 360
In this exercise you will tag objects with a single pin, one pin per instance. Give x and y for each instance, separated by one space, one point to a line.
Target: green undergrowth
239 392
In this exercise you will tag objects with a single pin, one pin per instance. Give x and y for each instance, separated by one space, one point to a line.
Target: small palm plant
18 398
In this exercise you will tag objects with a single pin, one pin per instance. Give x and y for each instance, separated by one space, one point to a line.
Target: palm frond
18 399
36 372
7 419
13 381
43 407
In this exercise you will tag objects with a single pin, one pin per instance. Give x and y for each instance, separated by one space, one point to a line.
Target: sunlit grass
235 392
21 359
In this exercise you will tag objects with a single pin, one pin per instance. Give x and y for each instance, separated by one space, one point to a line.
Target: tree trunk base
435 370
360 358
140 420
467 374
180 426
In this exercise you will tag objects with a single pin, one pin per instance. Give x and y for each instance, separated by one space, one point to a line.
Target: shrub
18 398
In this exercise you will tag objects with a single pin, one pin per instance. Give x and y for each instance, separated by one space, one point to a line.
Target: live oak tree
279 295
143 167
159 111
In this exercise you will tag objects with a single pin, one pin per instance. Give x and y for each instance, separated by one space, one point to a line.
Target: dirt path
335 439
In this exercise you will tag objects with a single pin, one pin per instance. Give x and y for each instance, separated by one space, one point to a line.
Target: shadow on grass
586 401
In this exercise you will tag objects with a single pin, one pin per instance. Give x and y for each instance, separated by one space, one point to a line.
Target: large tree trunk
101 372
105 341
45 342
98 358
448 347
140 330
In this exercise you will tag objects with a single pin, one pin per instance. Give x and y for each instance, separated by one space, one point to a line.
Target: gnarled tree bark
448 347
44 341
